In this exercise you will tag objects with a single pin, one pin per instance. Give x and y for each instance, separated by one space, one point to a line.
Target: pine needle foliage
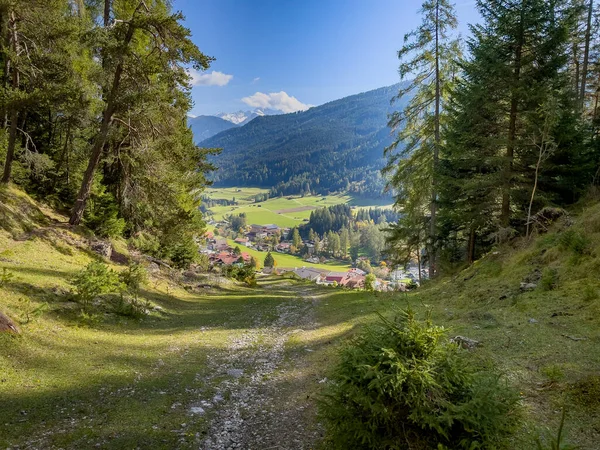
403 385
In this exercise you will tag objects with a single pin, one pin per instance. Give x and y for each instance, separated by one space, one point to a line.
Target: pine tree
269 260
518 60
139 33
429 56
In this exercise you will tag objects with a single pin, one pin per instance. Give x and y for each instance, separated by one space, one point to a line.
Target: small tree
237 251
269 260
403 384
370 282
296 239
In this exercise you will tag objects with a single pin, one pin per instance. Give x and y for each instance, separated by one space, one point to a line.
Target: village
224 247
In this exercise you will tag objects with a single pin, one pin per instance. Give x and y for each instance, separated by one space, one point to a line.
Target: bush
549 279
130 307
134 277
241 272
101 216
183 253
146 243
402 384
576 242
94 280
5 277
370 282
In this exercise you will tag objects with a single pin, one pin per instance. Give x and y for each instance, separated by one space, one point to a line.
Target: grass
286 260
72 380
282 211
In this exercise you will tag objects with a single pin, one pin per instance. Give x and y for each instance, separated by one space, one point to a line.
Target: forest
501 130
335 147
94 105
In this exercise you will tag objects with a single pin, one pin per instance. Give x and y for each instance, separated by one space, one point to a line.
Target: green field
283 211
285 260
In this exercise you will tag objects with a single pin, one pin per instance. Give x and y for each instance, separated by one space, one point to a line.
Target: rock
190 275
532 320
103 248
528 286
465 342
197 410
235 373
7 325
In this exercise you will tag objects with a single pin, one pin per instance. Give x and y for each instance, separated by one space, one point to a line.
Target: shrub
241 272
131 307
94 280
402 384
134 277
370 282
146 243
5 277
183 253
576 242
549 279
101 216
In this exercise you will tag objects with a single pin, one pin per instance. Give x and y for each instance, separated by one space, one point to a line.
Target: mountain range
333 147
243 117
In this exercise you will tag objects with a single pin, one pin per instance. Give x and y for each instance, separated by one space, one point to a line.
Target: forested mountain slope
335 146
205 127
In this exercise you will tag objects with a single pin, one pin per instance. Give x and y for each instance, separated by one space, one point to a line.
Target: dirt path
252 404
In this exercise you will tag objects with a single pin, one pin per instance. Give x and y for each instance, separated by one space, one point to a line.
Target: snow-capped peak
243 117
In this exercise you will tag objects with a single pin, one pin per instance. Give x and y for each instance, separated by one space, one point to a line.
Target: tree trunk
436 151
419 265
106 16
535 183
576 62
512 128
471 246
586 56
14 113
100 141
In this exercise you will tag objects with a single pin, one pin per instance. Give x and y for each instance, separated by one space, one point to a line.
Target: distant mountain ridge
205 127
243 117
337 146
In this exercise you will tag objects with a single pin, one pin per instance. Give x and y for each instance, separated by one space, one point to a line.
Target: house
229 258
335 277
209 234
355 282
243 241
221 245
308 273
284 247
356 271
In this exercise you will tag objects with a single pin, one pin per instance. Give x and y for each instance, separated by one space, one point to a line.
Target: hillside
337 146
204 127
183 375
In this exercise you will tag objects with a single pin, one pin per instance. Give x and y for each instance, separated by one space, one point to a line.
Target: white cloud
213 78
276 100
256 80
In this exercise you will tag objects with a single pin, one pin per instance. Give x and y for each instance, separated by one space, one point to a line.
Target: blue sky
291 54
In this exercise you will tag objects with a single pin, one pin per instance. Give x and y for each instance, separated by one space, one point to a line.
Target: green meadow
287 211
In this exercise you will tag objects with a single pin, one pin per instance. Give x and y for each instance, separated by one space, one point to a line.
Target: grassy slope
274 210
72 382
